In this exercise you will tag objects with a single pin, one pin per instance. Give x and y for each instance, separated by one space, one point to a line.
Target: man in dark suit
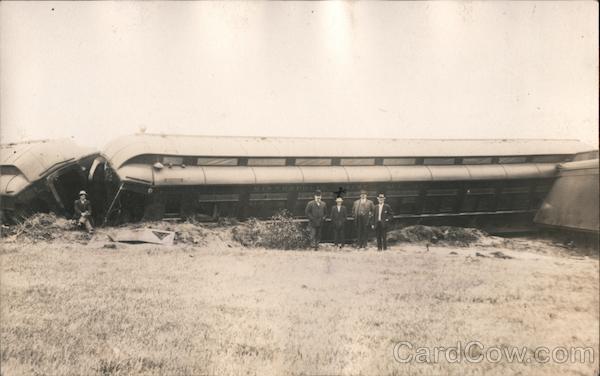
383 217
362 211
83 211
338 217
316 211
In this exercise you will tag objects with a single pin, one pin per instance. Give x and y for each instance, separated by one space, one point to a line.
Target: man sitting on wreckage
83 212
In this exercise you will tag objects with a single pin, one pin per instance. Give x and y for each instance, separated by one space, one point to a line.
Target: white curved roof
241 175
124 148
36 158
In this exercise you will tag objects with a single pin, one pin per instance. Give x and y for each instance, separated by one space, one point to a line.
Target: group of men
366 216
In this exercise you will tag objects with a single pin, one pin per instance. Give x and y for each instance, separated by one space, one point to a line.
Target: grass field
81 309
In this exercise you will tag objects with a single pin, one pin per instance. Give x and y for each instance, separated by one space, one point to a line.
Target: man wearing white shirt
383 216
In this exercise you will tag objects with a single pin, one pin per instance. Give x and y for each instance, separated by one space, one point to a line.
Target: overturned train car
485 183
42 176
572 203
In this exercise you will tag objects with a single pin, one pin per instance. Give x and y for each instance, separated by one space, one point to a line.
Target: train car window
508 160
355 195
267 196
479 199
215 197
313 161
167 160
441 192
477 160
438 161
548 158
399 161
439 204
217 161
403 193
145 159
267 204
407 205
357 161
9 170
307 196
481 191
440 200
266 161
514 198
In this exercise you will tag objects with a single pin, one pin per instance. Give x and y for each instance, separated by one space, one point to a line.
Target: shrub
281 231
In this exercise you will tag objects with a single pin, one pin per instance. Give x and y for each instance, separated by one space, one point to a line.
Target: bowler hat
380 195
363 192
318 192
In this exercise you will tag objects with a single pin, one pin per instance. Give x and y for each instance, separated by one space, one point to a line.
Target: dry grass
74 309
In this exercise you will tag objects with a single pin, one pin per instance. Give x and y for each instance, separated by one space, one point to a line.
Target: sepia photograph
315 188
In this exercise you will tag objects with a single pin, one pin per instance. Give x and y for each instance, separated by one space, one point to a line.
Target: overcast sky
97 70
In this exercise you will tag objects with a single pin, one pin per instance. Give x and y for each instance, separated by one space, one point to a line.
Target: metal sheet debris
143 235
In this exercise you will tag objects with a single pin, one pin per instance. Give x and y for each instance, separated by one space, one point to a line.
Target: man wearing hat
316 212
83 211
383 217
362 211
338 221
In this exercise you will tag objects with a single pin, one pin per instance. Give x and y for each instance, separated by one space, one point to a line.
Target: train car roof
35 159
124 148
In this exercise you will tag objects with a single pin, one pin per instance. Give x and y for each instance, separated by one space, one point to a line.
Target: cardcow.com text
476 352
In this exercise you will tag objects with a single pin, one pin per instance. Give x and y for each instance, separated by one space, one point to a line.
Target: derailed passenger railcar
572 203
42 176
463 182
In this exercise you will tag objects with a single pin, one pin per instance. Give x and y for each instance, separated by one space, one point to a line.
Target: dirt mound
280 232
457 236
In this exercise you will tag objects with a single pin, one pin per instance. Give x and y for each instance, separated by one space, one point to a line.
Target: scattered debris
146 235
41 227
453 253
471 259
188 232
501 255
457 236
480 254
109 245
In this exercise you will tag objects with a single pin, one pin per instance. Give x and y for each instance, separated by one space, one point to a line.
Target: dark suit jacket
82 207
316 213
338 218
387 215
366 208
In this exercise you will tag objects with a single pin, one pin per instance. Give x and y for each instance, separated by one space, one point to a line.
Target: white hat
82 193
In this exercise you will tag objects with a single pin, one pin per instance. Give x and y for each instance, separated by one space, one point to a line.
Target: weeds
457 236
280 232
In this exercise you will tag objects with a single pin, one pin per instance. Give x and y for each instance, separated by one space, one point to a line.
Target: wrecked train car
42 176
572 203
460 182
